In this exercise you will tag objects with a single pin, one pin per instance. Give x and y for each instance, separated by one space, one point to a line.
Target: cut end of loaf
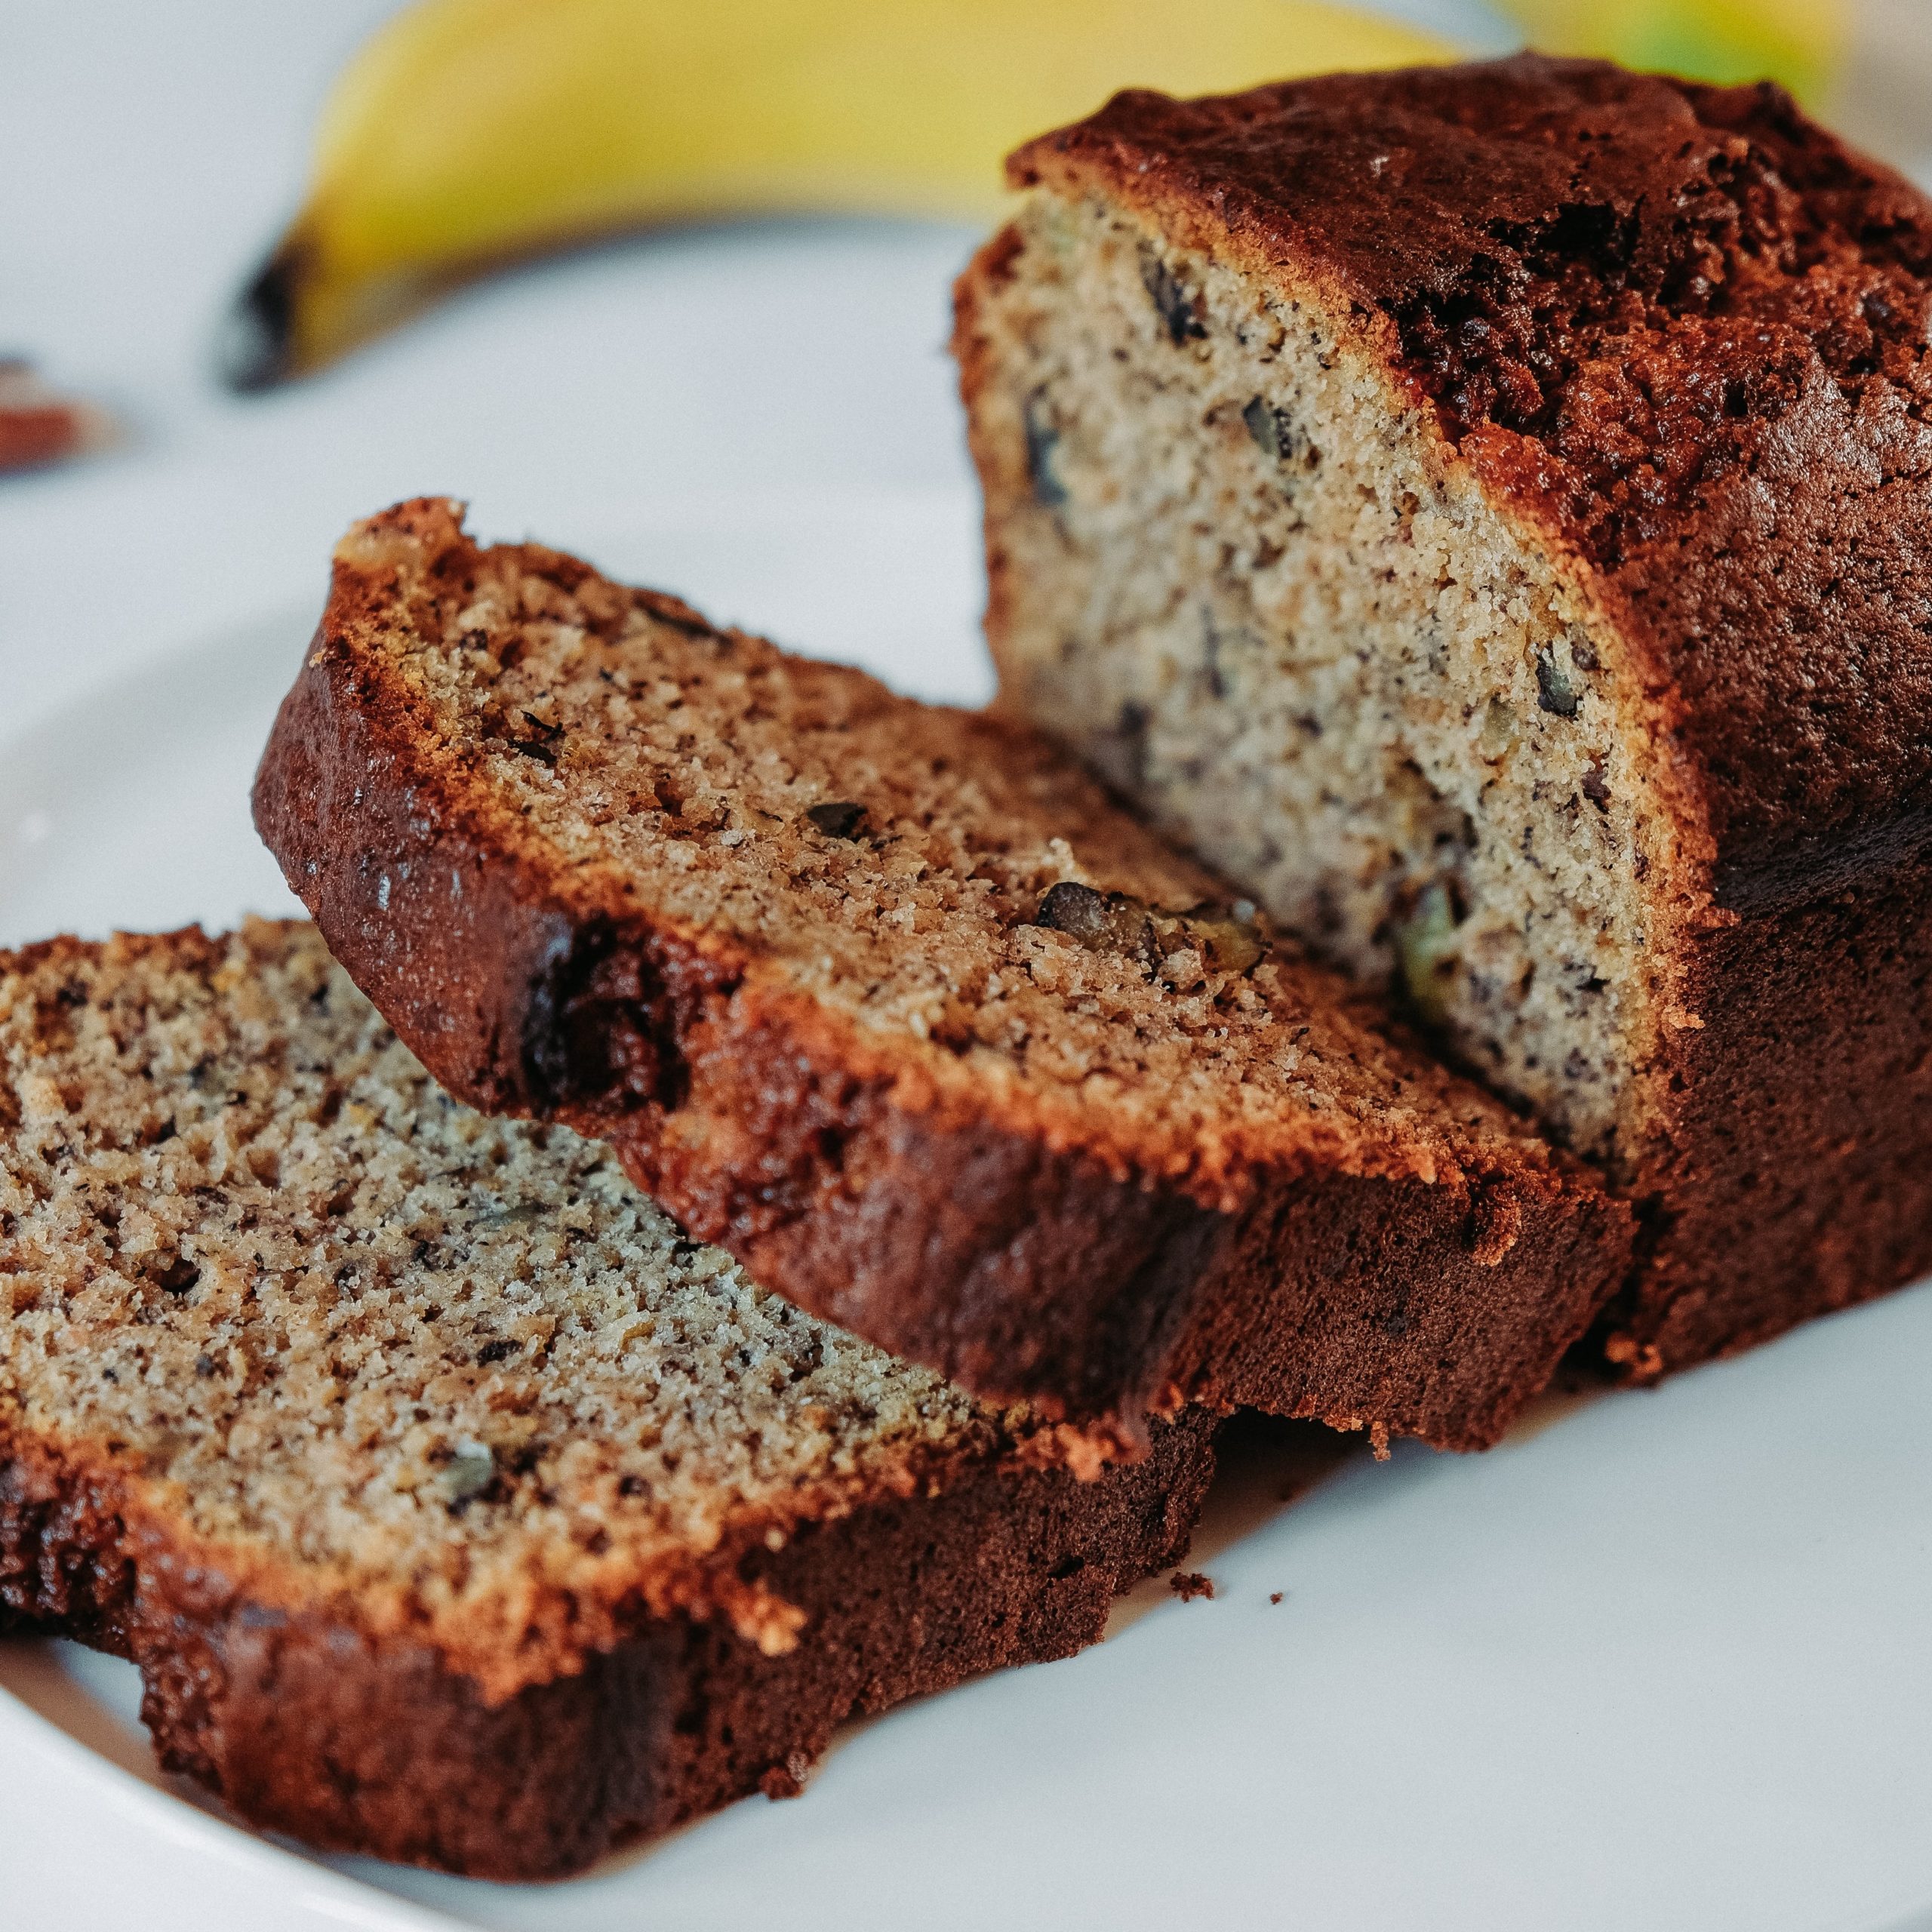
1235 565
1482 509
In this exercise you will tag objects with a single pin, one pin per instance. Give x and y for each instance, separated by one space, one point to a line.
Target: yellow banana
467 132
1802 43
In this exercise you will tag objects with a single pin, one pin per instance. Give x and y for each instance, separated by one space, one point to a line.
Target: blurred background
152 157
757 408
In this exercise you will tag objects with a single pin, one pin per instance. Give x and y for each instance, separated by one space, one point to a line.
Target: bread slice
889 1002
1488 513
456 1508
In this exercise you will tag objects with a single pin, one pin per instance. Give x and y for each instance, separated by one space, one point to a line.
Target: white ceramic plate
1658 1660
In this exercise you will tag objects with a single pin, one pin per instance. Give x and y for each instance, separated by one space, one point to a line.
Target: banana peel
468 133
471 132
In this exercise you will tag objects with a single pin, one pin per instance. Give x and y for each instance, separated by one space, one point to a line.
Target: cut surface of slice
891 1002
456 1506
1485 512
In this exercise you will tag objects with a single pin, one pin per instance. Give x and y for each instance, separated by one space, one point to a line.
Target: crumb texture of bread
1639 309
320 1389
1487 513
1414 763
252 1241
894 1003
890 861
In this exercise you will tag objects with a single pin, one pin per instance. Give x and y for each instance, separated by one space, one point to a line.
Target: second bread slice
895 1004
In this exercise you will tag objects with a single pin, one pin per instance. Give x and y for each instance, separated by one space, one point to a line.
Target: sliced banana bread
456 1508
891 1002
1486 511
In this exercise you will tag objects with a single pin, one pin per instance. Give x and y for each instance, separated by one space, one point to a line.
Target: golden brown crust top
1681 329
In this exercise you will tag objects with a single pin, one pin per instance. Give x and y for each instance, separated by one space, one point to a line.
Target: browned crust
307 1722
1795 1174
938 1228
1697 363
393 573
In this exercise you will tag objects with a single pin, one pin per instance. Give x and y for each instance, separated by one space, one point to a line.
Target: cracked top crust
1680 331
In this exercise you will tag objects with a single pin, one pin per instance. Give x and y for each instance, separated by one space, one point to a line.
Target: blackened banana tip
255 349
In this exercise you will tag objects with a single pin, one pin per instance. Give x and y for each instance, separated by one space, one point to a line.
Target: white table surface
147 152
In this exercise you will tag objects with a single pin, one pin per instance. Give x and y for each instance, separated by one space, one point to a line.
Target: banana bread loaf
456 1508
1487 512
891 1002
